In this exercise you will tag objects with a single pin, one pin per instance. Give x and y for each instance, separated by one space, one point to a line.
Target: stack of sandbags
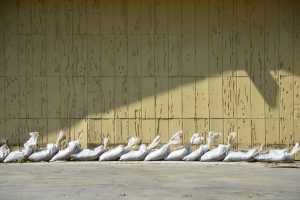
73 148
221 151
278 155
49 152
164 151
4 149
116 153
91 154
142 152
29 148
185 150
198 153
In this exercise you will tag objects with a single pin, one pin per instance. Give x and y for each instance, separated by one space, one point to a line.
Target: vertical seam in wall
237 77
4 69
85 113
279 75
127 73
100 78
264 32
65 77
60 77
209 77
32 75
46 71
114 96
235 114
293 84
140 81
181 64
154 67
168 65
250 74
19 77
222 67
195 89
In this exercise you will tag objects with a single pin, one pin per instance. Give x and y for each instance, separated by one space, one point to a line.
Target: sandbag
220 152
235 156
142 152
73 148
278 155
135 155
91 154
49 152
185 150
4 150
29 148
116 153
198 153
164 151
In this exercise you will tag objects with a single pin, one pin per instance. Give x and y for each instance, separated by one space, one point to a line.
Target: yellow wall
141 67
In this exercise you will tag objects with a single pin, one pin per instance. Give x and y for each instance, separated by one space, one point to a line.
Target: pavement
149 180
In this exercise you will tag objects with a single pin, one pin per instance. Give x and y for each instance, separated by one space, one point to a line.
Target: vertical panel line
168 46
235 114
293 114
4 71
141 79
46 70
250 73
195 69
181 64
208 58
222 67
264 32
19 78
85 112
278 71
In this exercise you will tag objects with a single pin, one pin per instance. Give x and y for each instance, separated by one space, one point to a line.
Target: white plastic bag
142 152
185 150
4 150
278 155
47 153
91 154
164 151
220 152
235 156
196 155
116 153
29 148
73 148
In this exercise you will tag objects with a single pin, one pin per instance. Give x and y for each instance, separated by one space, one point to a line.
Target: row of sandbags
205 152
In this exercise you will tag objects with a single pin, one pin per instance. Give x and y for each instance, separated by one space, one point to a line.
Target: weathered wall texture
141 67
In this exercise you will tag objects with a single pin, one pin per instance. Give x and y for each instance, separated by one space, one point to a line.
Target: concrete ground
149 180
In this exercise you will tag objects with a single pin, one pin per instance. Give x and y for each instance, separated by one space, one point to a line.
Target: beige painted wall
142 67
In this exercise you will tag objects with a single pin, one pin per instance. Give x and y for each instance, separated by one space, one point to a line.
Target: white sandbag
235 156
29 148
49 152
142 152
220 152
4 150
73 148
91 154
278 155
116 153
135 155
198 153
185 150
164 151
